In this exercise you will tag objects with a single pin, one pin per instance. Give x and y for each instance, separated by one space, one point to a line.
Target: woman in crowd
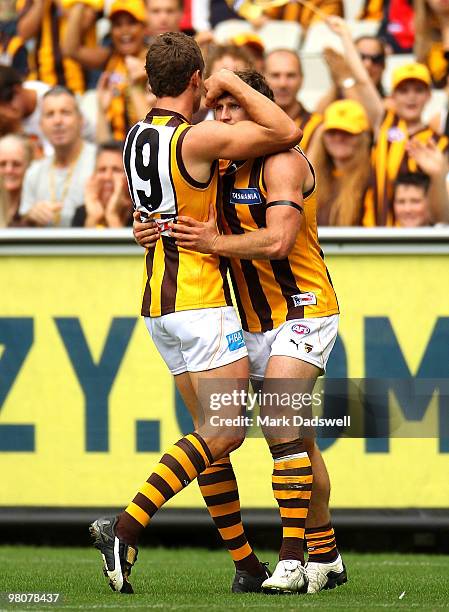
122 91
15 157
342 162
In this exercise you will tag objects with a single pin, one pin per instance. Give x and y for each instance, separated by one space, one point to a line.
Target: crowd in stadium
72 83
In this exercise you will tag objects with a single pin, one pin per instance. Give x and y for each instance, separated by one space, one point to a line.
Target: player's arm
285 176
269 130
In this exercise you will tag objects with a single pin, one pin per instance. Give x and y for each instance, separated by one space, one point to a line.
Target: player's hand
145 234
428 156
216 85
196 235
44 213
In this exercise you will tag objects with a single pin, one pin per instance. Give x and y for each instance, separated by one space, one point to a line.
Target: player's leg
191 341
292 471
218 487
325 567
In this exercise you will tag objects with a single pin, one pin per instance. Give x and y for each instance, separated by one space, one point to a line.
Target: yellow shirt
268 293
174 278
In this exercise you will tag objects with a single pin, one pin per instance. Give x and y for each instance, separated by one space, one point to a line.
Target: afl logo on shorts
300 329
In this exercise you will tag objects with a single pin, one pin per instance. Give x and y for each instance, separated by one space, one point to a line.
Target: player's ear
196 79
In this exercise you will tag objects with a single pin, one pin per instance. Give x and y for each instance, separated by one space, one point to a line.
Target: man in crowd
284 75
54 186
106 197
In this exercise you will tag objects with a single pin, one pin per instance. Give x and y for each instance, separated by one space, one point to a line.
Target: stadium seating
230 28
285 34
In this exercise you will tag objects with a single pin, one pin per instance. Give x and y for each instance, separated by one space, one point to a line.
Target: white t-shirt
68 183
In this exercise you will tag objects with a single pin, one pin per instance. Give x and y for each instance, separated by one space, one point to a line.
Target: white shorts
309 340
198 340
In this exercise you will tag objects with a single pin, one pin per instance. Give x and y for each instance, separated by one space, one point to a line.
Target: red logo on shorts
300 329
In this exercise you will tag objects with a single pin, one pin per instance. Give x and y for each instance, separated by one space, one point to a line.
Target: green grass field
195 579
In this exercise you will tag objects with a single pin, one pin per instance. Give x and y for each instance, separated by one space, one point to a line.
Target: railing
120 241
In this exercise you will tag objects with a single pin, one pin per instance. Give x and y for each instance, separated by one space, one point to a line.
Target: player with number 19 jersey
175 279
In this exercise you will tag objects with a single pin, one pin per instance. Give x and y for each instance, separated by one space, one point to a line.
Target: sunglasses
379 58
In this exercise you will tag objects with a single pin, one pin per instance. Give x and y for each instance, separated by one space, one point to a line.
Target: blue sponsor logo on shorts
247 196
235 340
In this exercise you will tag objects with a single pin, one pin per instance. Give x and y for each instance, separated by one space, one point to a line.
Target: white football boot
288 577
324 576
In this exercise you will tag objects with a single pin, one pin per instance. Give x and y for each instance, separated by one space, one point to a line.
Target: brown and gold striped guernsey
389 159
174 278
268 293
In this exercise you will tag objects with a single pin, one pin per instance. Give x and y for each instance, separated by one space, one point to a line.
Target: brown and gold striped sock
219 488
292 487
177 468
321 544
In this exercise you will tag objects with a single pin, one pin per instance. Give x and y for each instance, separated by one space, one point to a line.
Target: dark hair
9 78
113 146
413 179
220 51
257 81
289 51
171 61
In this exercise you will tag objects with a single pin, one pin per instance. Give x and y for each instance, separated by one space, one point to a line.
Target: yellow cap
248 39
346 115
136 8
417 72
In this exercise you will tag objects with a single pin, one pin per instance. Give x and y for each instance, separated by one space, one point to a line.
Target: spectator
397 29
432 37
253 45
284 75
46 22
411 201
405 143
54 186
106 196
15 157
372 54
122 86
394 130
304 15
12 48
20 105
164 16
196 17
342 164
373 9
